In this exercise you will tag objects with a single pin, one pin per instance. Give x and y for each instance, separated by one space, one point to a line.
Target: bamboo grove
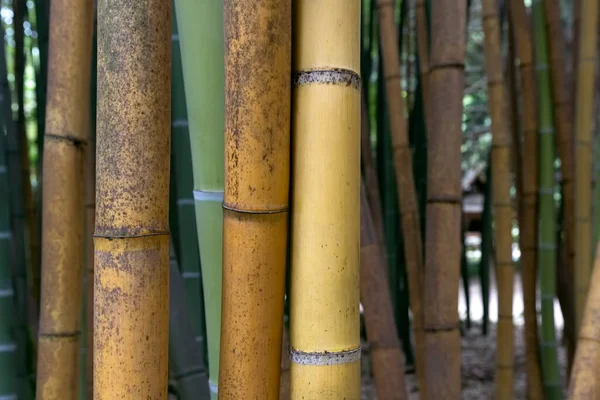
299 199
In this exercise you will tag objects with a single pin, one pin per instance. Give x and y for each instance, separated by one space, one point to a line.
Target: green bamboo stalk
8 345
184 228
186 358
201 37
547 210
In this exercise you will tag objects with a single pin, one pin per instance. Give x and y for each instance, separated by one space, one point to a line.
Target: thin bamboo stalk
131 239
584 106
186 245
423 48
409 211
521 29
386 354
584 382
325 316
501 161
442 259
62 213
186 358
200 34
487 245
255 206
284 380
546 210
8 346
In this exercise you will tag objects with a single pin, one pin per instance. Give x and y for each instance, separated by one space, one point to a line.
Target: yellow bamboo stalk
325 317
501 161
407 195
584 383
528 206
255 208
443 238
69 69
584 108
131 238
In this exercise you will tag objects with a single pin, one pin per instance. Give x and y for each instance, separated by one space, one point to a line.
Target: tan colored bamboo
325 243
407 195
528 228
69 70
386 354
584 106
563 118
131 237
502 208
443 231
584 383
255 208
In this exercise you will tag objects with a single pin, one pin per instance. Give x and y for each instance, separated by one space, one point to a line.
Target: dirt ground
478 364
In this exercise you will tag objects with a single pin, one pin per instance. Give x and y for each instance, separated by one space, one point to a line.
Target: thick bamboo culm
443 231
65 139
584 383
324 315
402 153
521 28
584 110
386 353
501 161
255 206
131 242
546 260
200 33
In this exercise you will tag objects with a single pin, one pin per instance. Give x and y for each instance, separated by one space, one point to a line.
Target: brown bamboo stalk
566 151
284 379
255 207
131 237
584 382
443 232
386 353
586 66
69 70
528 228
502 208
407 195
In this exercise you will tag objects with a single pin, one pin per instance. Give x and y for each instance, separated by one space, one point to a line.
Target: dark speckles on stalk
334 76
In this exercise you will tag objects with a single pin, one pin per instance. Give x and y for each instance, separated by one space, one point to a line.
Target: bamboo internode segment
520 26
443 256
63 192
325 245
257 166
386 353
584 110
131 236
200 33
584 382
403 163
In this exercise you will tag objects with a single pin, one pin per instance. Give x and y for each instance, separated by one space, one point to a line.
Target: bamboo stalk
501 161
186 245
8 345
521 29
386 354
325 316
65 140
442 260
584 383
584 106
487 245
131 241
202 50
255 206
409 212
547 211
186 359
423 49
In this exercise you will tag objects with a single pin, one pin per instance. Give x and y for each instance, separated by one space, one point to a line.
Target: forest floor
478 366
